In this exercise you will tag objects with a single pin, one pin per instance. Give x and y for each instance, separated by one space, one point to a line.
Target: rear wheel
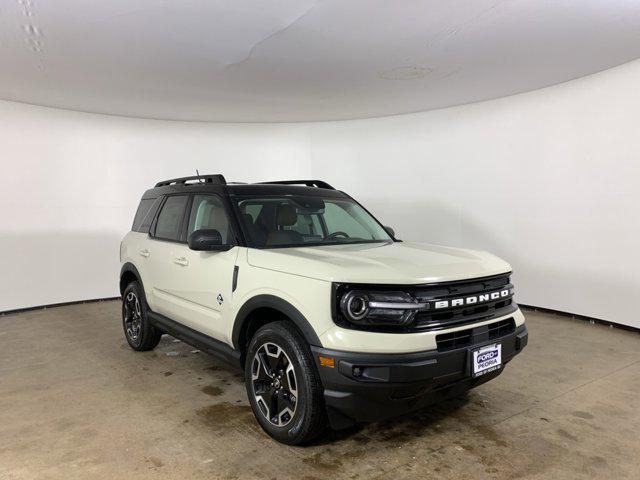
140 334
283 385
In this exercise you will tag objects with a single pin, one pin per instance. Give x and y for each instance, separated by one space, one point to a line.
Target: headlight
361 307
355 305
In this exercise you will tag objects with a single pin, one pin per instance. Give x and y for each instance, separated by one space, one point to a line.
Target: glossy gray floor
76 402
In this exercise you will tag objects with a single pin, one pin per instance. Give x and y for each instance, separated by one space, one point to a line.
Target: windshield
294 221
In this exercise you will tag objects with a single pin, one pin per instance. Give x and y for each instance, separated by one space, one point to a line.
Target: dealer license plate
486 359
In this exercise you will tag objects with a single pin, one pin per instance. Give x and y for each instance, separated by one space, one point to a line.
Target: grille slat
471 336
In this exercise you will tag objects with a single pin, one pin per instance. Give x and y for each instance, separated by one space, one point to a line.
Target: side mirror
390 231
207 240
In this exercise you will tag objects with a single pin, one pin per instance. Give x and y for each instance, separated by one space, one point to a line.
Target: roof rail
308 183
216 179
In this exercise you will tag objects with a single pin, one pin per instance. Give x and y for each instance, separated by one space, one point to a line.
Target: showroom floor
76 402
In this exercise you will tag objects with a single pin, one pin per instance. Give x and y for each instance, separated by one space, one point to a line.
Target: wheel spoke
273 362
289 401
282 405
282 362
261 387
274 408
266 366
290 380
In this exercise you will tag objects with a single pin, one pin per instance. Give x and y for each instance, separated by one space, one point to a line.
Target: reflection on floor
76 402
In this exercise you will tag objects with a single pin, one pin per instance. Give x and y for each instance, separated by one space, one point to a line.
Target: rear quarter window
144 215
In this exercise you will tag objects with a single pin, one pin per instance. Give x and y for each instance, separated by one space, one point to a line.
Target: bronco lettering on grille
486 297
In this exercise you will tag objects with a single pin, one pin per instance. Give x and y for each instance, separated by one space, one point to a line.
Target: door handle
144 253
181 261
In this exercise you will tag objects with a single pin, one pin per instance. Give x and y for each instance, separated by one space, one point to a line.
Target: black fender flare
282 306
129 267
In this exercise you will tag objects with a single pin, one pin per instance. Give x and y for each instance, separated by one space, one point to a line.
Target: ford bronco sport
332 319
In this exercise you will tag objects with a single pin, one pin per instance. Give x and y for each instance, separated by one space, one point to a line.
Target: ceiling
301 60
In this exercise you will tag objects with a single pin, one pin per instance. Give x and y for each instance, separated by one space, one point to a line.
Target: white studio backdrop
72 182
548 180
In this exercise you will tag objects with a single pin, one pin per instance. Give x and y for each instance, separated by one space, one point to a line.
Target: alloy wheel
274 383
132 316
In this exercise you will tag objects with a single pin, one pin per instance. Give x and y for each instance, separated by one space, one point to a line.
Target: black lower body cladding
372 387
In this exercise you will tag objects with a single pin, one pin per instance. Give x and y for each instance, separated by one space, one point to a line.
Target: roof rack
308 183
215 179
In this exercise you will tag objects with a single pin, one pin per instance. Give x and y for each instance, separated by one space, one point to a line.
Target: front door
202 281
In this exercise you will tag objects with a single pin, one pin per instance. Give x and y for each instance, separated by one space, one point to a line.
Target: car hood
383 263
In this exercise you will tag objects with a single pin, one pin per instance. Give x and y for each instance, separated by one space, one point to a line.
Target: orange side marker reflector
326 361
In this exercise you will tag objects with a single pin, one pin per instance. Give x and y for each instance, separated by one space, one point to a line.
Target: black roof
282 189
218 184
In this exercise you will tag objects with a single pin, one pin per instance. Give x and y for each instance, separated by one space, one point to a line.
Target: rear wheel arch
129 273
263 309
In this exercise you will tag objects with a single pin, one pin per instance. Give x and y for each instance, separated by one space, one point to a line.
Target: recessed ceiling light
405 73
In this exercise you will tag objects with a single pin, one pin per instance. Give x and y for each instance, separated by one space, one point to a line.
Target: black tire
309 414
140 334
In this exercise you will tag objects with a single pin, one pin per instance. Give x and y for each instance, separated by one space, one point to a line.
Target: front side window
170 218
207 212
292 221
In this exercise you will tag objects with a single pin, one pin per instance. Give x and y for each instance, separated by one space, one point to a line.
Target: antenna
198 175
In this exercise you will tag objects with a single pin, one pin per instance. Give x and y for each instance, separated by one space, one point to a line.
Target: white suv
332 319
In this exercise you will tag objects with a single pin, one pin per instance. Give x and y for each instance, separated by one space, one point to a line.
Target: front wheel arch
263 309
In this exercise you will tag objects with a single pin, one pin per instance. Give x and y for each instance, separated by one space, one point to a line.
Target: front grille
453 340
472 336
445 305
455 316
501 328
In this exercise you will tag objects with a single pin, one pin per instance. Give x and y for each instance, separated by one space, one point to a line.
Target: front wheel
283 385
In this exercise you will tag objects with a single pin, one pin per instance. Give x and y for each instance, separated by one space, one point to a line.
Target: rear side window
171 217
144 215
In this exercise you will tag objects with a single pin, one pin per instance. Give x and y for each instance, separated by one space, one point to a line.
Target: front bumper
371 387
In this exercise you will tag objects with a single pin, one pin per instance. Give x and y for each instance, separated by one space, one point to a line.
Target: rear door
164 248
137 241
